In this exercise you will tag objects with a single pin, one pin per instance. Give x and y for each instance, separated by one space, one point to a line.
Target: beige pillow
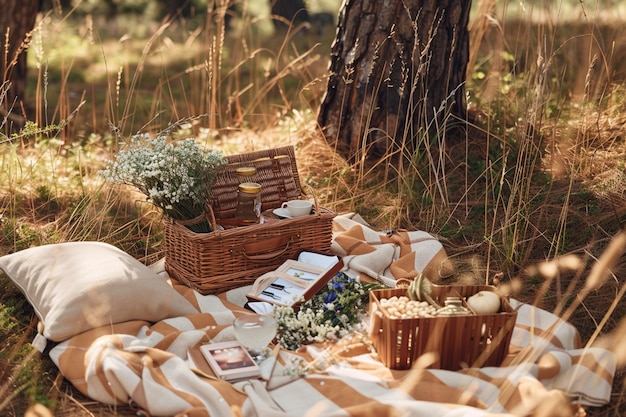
77 286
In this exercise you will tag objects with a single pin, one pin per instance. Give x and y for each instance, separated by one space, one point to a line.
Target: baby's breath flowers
334 312
175 176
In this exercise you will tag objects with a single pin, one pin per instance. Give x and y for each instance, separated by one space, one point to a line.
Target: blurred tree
288 12
17 20
396 72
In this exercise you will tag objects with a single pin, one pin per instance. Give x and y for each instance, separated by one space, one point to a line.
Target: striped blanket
151 367
146 365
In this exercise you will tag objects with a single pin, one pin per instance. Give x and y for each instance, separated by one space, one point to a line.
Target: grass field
540 176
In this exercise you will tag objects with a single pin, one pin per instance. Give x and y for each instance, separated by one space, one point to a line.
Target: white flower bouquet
334 312
175 176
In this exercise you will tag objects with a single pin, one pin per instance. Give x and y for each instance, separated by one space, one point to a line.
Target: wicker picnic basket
234 257
457 341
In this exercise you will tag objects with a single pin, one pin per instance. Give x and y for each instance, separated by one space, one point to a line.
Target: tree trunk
17 20
397 72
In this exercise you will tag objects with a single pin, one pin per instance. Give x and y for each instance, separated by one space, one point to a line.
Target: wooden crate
457 341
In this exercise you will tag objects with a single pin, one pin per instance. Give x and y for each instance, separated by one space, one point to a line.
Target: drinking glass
256 332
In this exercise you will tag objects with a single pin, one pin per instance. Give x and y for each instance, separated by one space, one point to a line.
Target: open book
295 280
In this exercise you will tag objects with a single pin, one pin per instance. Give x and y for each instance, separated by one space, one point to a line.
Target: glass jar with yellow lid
249 203
245 174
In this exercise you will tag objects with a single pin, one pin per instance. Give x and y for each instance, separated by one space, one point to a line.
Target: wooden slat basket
457 341
224 259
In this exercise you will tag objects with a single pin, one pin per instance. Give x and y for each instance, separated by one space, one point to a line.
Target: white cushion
77 286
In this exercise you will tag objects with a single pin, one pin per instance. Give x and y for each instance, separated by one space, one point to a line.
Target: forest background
539 179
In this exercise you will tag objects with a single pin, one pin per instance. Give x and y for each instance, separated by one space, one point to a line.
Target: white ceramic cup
297 208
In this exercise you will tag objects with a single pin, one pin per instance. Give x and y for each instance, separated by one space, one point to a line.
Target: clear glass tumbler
256 332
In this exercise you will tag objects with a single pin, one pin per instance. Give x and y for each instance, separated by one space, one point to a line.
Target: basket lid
276 171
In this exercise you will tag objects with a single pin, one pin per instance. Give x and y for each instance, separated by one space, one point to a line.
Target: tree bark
17 20
397 72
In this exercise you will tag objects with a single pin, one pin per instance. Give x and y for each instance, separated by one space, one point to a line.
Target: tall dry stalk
484 19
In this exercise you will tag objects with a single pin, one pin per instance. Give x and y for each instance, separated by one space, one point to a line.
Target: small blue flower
330 297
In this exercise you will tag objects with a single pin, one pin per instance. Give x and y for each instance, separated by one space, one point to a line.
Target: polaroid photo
230 361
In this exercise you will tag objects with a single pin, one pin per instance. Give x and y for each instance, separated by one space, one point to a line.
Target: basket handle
267 249
211 217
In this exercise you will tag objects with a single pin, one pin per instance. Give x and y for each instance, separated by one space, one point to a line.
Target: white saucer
281 212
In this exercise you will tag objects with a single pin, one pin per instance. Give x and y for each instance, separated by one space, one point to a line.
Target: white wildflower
331 314
175 177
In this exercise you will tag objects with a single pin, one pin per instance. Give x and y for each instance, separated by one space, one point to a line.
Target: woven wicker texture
457 341
224 259
276 171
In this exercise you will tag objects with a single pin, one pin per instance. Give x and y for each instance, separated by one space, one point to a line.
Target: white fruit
484 302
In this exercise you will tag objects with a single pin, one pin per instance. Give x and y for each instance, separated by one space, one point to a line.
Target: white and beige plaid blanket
147 366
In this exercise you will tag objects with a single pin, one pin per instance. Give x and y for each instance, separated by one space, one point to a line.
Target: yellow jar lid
250 187
245 171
